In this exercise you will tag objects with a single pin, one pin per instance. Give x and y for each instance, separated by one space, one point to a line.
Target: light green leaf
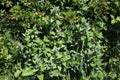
54 73
28 72
46 39
40 77
17 73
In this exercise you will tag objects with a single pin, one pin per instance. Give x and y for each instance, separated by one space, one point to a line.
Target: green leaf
17 73
28 72
113 21
46 39
52 32
40 77
54 73
58 22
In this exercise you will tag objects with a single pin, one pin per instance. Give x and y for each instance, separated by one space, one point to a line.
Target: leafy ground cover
59 40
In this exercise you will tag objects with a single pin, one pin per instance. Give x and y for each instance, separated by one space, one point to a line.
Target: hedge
59 40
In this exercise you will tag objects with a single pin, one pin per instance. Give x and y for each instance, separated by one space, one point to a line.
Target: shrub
59 40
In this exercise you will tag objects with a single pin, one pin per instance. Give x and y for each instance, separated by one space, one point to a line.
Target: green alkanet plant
59 40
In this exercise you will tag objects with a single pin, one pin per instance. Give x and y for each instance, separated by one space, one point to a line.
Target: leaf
4 52
28 72
54 73
17 73
46 39
58 22
40 77
85 8
113 21
52 32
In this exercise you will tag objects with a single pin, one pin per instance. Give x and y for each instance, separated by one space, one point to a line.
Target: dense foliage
59 40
